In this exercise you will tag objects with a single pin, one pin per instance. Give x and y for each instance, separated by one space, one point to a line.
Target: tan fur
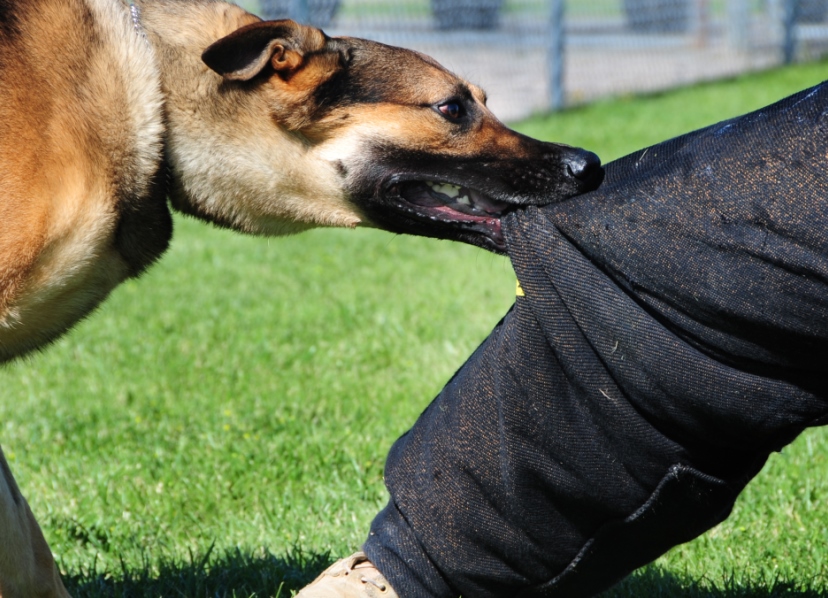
227 173
96 114
64 155
82 131
81 127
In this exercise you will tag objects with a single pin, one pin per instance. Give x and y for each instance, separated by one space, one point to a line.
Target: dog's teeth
464 199
446 189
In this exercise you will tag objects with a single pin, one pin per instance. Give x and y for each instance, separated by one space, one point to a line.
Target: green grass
218 427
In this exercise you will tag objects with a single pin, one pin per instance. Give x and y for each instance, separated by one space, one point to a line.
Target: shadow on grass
235 574
654 582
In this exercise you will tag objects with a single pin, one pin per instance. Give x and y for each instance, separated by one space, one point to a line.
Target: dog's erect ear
243 54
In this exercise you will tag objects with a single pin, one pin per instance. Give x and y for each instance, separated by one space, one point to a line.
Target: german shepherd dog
268 128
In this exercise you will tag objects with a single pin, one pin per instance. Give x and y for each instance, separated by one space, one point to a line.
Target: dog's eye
451 110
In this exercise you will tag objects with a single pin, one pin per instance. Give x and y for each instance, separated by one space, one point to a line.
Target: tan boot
351 577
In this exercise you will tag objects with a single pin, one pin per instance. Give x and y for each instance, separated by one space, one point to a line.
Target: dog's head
361 132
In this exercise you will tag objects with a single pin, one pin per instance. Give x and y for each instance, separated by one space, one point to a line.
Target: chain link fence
537 55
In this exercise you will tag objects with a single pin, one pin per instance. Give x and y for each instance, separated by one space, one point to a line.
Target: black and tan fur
268 128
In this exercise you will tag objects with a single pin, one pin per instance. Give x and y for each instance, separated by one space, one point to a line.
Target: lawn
218 427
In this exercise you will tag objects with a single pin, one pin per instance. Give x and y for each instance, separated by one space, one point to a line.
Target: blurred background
538 55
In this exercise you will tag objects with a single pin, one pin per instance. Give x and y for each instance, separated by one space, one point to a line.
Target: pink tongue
479 206
490 222
459 216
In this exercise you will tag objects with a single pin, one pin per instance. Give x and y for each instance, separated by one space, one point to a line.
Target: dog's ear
243 54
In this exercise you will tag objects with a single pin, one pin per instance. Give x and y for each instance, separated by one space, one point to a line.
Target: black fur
9 25
145 224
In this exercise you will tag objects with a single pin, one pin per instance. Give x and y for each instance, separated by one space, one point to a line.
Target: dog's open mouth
459 206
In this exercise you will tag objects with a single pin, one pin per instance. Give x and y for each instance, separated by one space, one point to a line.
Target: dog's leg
27 569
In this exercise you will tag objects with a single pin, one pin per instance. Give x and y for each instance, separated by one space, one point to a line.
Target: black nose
585 167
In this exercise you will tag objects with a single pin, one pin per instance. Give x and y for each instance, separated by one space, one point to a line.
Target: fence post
789 12
299 11
555 55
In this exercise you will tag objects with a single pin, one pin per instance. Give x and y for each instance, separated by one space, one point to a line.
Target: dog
110 112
